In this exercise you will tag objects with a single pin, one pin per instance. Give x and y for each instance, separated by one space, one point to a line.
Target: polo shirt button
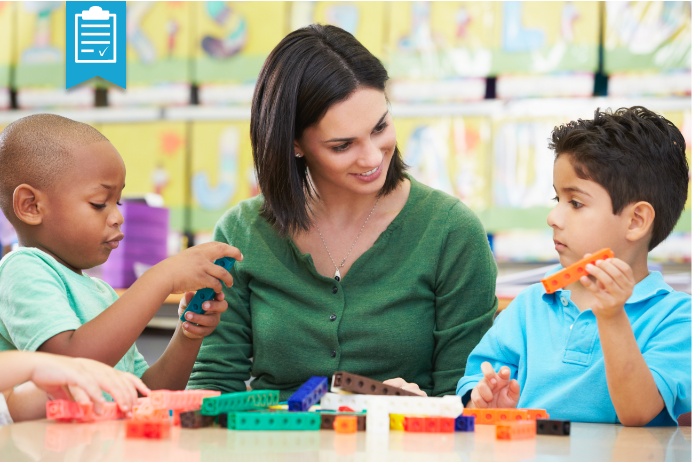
333 353
332 317
570 327
564 301
335 289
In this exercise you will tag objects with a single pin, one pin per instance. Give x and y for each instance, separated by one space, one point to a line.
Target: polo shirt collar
649 287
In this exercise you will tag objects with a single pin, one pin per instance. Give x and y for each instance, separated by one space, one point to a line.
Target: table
105 441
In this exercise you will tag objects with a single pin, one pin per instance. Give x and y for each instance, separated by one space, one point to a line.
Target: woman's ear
28 204
297 149
641 219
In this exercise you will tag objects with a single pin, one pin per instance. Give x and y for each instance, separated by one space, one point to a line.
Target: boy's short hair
36 150
636 155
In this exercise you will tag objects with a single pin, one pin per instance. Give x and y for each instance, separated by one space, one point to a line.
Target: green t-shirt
414 305
40 298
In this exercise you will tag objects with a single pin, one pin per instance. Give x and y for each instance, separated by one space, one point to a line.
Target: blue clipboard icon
95 36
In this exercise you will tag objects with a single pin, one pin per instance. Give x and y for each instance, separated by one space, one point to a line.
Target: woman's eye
556 199
98 206
341 148
380 128
118 203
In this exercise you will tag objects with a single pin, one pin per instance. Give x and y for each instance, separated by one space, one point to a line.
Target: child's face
583 220
81 222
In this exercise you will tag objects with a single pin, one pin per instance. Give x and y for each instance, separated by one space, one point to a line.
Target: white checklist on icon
95 36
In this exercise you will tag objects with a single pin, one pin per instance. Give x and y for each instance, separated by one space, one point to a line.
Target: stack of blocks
146 241
308 394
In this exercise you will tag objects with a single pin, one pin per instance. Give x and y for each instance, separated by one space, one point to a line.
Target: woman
349 263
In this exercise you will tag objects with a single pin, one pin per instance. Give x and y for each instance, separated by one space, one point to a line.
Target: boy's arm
110 335
631 384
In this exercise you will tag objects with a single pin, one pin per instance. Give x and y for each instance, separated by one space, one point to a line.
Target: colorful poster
683 120
232 39
40 42
159 42
7 33
365 20
440 40
155 158
646 36
450 154
222 170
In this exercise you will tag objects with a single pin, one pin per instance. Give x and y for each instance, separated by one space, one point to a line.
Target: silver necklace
337 274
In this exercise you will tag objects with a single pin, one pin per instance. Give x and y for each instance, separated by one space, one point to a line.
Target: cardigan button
335 289
333 353
332 317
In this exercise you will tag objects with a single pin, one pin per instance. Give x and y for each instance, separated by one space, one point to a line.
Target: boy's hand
206 322
60 376
404 385
495 390
613 285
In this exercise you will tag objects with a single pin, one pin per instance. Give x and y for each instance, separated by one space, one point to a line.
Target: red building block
573 272
432 425
345 409
516 430
446 425
345 424
414 424
143 429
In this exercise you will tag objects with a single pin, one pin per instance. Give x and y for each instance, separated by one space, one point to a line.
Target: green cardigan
413 306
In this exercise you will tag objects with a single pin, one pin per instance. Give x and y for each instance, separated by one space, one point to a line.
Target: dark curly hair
310 70
636 155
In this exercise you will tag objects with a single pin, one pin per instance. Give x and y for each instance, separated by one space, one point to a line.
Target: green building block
242 401
269 420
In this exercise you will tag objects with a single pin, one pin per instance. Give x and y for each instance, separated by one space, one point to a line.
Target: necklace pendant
337 275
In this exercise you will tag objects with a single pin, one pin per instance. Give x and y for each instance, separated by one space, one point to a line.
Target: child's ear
27 204
641 216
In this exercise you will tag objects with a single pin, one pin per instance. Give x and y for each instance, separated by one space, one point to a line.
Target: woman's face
352 146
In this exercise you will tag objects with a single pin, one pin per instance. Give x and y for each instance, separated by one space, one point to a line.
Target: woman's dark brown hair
309 70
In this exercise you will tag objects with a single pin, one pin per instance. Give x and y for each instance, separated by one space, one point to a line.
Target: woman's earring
298 154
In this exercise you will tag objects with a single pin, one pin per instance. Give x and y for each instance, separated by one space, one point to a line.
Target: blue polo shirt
554 352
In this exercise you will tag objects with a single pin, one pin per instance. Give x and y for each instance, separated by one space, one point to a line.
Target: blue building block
308 394
203 295
465 423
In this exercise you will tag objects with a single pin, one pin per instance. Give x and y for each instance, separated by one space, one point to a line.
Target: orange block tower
572 273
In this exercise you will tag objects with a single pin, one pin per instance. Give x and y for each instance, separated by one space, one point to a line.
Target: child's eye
98 206
380 128
342 147
118 203
575 204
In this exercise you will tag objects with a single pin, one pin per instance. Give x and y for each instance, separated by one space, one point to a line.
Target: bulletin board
222 172
159 43
450 154
477 39
40 44
232 39
646 36
155 159
7 12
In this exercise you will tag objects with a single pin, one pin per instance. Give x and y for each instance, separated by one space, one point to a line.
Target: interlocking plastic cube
345 424
242 401
144 429
522 429
414 424
446 424
535 414
573 272
308 394
271 421
195 419
203 295
396 422
329 417
465 423
553 427
187 400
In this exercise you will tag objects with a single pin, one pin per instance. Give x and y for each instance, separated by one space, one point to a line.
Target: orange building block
510 415
346 424
516 430
495 416
143 429
535 414
573 272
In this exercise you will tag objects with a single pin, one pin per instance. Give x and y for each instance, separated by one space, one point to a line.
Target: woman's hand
404 385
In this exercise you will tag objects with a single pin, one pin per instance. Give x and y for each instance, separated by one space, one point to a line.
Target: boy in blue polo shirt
613 347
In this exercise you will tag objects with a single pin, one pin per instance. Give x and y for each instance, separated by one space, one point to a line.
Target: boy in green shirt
60 183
